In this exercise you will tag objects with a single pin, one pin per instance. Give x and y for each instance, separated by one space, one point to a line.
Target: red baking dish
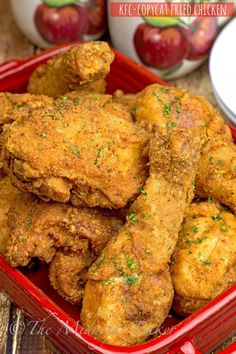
31 291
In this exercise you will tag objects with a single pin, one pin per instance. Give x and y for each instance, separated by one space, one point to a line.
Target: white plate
228 113
222 68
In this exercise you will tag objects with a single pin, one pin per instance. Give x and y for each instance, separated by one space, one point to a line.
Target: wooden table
15 336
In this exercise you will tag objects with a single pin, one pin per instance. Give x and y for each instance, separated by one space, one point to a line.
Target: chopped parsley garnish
165 89
43 134
207 261
99 262
132 218
181 228
166 109
130 263
224 228
193 185
156 94
130 279
210 200
64 98
171 125
16 105
194 229
142 191
210 159
217 217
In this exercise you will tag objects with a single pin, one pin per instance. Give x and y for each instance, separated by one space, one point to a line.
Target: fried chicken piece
39 229
129 291
86 64
216 174
204 261
8 194
128 100
77 150
67 274
14 106
174 107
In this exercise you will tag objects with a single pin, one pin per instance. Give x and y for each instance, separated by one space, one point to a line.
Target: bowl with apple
50 22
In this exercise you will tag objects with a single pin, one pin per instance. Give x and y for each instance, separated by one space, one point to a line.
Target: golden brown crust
205 256
8 195
129 291
77 150
80 65
39 229
175 107
67 274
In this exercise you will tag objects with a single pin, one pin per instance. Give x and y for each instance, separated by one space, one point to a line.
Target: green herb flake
217 217
166 109
43 135
156 94
130 263
16 105
210 158
165 89
99 262
64 98
132 218
130 279
210 200
171 125
206 261
142 191
194 229
224 228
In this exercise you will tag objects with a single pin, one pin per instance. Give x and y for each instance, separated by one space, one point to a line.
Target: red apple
161 48
96 16
202 33
58 25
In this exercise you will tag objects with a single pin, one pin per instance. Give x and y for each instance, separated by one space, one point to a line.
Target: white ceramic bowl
169 49
222 67
48 22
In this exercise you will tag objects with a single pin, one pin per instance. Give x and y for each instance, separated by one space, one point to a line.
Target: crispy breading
14 106
84 64
129 291
39 229
8 195
204 261
77 150
67 274
174 107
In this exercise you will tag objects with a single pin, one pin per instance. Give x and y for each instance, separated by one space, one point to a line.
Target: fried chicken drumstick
204 260
129 291
174 107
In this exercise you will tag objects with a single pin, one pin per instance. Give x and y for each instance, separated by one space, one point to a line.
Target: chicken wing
77 150
174 107
129 291
86 64
8 194
204 261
